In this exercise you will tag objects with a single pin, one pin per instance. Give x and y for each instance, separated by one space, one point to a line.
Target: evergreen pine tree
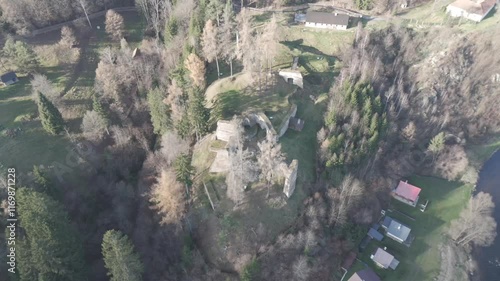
99 108
195 27
374 125
26 59
183 127
373 141
198 113
43 182
50 116
367 107
9 48
214 11
183 169
437 143
50 248
120 258
377 105
160 112
171 29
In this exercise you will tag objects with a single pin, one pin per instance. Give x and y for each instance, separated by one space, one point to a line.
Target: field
422 260
233 96
433 13
480 153
32 145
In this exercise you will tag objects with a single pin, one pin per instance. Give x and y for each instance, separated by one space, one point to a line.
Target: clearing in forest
75 81
422 260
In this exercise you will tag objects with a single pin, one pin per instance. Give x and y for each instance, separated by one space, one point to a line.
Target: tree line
25 15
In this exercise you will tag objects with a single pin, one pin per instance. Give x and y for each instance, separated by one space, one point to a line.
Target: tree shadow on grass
298 45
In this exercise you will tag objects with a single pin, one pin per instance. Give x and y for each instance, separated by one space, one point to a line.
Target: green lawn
480 153
433 13
421 261
33 146
302 145
233 99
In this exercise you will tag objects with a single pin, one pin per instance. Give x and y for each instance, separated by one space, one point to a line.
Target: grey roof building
9 78
327 20
396 230
384 260
373 233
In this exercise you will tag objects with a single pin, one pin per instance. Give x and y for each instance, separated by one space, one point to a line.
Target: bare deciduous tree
196 69
343 198
176 102
243 166
168 198
409 132
114 25
210 45
68 38
452 162
270 159
172 146
226 39
269 41
121 135
41 84
84 8
476 224
155 12
93 125
245 43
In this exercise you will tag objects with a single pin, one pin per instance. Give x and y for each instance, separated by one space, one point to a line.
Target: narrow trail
79 67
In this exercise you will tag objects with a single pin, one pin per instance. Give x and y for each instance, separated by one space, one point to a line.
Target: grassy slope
34 146
422 260
302 145
433 13
479 153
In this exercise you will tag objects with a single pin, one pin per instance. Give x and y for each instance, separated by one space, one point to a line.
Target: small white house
475 10
327 20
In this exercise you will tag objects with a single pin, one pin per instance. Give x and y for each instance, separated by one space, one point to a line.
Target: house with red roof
406 193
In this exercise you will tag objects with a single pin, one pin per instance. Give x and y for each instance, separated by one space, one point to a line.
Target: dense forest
402 101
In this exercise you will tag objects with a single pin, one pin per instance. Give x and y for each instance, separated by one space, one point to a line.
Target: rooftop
385 259
407 191
8 76
365 275
296 124
373 233
396 229
480 7
327 18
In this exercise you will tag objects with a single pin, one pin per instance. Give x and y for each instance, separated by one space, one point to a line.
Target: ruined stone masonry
290 174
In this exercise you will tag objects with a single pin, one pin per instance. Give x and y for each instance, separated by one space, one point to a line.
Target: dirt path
451 258
80 65
447 261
